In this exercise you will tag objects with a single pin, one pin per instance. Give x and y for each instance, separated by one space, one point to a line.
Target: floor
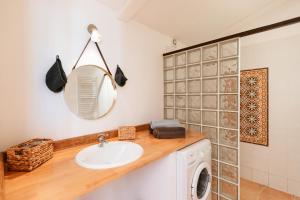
255 191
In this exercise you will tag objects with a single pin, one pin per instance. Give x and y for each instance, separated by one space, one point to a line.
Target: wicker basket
29 155
126 133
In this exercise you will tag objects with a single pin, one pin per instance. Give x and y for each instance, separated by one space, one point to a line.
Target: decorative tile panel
254 106
210 85
194 71
194 56
206 98
210 69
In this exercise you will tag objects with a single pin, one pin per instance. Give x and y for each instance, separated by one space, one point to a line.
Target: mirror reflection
90 92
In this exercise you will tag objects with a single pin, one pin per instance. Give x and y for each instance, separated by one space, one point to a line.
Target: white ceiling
114 4
195 21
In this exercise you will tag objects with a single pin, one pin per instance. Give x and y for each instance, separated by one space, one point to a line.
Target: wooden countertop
1 176
61 178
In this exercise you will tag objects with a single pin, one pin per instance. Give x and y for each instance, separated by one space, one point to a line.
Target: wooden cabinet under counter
62 178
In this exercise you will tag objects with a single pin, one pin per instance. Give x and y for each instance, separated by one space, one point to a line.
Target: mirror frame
113 84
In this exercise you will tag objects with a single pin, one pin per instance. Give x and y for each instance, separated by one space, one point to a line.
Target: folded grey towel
165 123
169 132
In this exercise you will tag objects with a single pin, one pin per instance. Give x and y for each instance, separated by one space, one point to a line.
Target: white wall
155 181
34 31
279 164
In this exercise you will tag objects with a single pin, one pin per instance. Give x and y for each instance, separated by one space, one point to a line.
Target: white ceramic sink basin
112 154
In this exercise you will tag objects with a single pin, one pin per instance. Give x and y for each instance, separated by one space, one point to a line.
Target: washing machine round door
201 182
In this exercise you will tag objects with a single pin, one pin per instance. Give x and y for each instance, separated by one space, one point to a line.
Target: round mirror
90 92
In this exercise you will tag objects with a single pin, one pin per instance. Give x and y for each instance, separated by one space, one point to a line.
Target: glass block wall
201 90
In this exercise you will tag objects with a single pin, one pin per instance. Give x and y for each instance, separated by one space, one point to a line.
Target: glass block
214 196
169 75
169 113
229 137
194 116
229 155
229 67
180 114
210 101
194 56
210 52
194 127
229 85
180 101
169 101
211 133
184 125
229 102
194 71
180 59
194 86
194 101
210 85
210 69
214 151
169 61
169 88
180 87
180 73
229 172
229 190
210 118
229 48
229 119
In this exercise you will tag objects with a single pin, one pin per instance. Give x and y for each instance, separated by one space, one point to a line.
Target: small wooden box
126 132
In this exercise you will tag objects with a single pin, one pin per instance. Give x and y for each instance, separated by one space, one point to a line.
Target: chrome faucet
101 140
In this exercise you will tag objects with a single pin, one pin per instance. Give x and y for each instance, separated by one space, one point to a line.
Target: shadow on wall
15 76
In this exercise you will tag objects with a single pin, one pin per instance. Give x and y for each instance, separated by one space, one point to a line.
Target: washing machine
194 171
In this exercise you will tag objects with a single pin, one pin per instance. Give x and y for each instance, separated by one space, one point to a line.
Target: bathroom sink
111 154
